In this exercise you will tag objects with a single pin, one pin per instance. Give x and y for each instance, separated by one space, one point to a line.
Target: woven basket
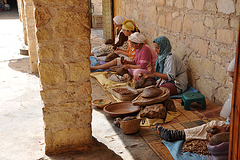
101 103
131 126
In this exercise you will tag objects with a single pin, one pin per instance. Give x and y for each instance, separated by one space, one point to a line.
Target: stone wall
203 34
63 42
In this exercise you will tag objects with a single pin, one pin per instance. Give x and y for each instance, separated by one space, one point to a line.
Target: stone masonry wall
203 34
31 36
63 36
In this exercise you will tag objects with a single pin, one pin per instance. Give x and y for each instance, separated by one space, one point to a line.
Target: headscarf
231 66
137 37
164 50
129 25
118 20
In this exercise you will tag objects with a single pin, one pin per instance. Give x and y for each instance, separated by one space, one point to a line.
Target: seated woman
169 69
145 56
120 40
199 132
128 27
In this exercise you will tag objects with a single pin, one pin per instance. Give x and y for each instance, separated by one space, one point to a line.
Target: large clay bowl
121 109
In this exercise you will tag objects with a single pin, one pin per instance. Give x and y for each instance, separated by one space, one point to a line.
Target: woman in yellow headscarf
128 27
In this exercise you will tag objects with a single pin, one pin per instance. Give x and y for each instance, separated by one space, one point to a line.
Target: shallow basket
131 126
101 103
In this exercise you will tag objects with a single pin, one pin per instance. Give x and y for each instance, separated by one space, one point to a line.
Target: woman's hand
150 68
218 129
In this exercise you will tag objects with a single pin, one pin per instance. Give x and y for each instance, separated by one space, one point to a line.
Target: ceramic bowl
121 109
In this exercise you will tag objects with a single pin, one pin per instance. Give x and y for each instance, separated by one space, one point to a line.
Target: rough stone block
43 34
160 2
169 2
220 74
238 8
217 58
52 73
75 19
211 34
201 46
225 36
175 14
225 52
153 11
179 4
226 6
222 94
47 53
210 6
221 23
83 105
161 20
205 86
78 71
81 50
42 15
209 23
234 22
187 24
71 3
199 4
177 24
56 117
169 21
181 49
67 140
189 4
195 65
208 67
198 29
75 92
65 94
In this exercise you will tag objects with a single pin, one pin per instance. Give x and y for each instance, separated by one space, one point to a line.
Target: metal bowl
121 109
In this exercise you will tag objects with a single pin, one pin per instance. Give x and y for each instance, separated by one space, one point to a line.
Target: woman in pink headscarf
144 56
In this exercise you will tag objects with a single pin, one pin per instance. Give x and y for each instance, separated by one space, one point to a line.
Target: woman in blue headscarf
169 71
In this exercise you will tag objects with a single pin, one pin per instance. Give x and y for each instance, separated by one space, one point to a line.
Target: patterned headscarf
129 25
164 50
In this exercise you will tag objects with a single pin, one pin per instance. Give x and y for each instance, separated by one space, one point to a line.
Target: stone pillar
24 18
31 36
20 9
63 39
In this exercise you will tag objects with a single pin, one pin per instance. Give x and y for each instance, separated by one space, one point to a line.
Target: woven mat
187 119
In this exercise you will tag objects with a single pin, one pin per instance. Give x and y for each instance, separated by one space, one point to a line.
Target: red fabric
171 87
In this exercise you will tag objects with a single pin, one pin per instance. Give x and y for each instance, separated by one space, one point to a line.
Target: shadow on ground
98 151
21 65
